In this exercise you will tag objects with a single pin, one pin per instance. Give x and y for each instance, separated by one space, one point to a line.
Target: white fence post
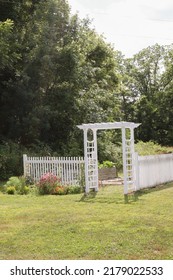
24 165
124 160
137 172
86 161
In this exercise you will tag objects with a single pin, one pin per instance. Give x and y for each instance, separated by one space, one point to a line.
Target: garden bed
107 173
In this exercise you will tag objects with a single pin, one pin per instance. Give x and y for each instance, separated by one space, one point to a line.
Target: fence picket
66 168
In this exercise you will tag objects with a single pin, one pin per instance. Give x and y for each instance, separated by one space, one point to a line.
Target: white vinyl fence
150 170
154 170
69 169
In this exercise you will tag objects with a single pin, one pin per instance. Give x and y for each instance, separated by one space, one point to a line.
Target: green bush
19 183
107 164
11 160
10 190
24 190
151 148
108 150
11 157
2 187
13 181
74 189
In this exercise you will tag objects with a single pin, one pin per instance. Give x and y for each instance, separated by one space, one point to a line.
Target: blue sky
130 25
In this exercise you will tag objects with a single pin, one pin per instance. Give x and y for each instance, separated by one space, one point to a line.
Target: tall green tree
148 78
64 74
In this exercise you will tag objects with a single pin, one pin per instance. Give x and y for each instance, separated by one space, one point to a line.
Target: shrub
19 183
2 187
11 157
60 190
10 190
151 148
33 190
48 183
10 160
110 147
13 181
107 164
24 190
74 189
29 180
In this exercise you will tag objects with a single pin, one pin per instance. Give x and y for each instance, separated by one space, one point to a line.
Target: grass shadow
130 198
119 198
104 198
88 196
152 189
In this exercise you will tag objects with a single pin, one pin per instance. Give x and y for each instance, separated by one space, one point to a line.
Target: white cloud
130 25
94 4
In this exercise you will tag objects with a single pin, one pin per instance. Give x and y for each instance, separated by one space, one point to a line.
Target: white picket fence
150 171
69 169
154 170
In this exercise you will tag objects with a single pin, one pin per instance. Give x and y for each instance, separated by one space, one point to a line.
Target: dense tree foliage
147 93
61 74
57 72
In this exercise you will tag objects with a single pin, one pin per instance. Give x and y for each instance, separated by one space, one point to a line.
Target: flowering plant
60 190
47 183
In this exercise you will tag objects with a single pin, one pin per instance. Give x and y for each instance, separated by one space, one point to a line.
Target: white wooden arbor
91 157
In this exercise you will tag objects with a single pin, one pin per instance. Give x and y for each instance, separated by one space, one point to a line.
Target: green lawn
100 226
